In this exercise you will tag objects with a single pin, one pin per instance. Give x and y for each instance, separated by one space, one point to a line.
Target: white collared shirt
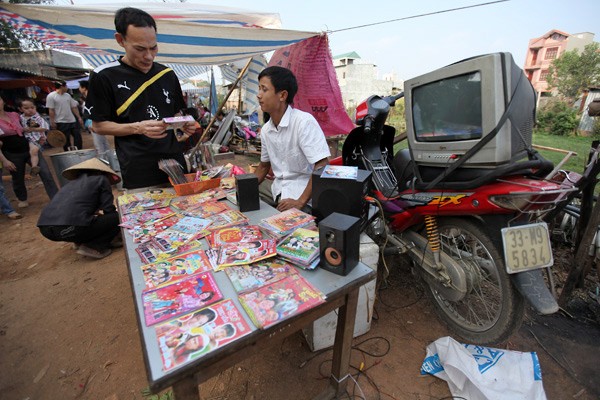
292 148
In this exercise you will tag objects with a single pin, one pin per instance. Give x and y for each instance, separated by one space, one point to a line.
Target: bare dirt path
68 331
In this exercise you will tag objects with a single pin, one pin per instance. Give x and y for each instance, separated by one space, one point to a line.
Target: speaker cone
333 256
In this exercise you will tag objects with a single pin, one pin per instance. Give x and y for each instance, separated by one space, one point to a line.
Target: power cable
419 15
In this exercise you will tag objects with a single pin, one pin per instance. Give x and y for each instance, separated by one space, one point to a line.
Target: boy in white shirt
292 143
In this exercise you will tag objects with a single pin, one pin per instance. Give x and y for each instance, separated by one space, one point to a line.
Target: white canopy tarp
191 89
188 34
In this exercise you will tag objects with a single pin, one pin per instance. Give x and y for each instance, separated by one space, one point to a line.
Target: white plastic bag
479 373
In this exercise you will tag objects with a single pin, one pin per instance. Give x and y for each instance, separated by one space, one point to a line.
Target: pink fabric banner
318 89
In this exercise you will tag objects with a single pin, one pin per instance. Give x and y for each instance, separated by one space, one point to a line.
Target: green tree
557 118
572 72
12 40
596 127
9 41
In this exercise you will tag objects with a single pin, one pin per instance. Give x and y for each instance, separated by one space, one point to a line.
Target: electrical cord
361 370
399 307
355 347
382 248
385 281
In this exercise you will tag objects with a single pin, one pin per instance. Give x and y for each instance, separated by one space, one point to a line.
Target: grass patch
580 145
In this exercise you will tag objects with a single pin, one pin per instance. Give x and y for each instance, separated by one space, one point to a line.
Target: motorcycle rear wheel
492 309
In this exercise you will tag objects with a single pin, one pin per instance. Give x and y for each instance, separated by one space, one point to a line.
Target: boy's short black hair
24 99
132 16
84 84
281 79
58 84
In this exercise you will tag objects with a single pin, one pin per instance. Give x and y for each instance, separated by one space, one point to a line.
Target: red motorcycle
475 236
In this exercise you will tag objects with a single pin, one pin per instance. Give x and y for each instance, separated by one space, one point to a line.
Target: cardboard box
321 333
194 186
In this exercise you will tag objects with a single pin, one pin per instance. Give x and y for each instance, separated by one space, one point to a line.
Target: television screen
448 109
485 99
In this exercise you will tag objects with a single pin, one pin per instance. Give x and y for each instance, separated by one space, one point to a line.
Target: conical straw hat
56 138
92 164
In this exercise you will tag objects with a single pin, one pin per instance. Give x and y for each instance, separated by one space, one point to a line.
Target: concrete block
321 333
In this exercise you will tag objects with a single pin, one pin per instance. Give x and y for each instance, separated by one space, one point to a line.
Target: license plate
527 247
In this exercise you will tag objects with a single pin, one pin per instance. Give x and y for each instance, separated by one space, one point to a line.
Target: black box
339 243
246 192
344 196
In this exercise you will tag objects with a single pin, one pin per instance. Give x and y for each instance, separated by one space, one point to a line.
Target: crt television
450 110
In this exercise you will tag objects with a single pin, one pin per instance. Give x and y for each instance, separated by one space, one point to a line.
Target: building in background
544 49
358 79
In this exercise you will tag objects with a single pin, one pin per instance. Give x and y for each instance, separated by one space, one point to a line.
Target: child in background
34 130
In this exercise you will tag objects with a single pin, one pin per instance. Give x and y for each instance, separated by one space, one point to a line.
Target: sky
413 46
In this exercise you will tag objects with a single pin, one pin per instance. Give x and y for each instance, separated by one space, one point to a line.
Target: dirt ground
68 331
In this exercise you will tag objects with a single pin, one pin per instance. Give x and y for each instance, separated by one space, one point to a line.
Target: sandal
117 242
93 253
14 215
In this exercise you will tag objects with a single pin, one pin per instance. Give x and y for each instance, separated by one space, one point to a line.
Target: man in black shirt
141 138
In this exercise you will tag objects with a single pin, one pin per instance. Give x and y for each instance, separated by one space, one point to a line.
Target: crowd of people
129 99
22 136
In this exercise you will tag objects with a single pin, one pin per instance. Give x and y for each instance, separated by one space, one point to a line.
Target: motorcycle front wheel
492 309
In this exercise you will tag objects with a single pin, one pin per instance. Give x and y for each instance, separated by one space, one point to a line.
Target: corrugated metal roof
587 123
20 72
50 64
351 54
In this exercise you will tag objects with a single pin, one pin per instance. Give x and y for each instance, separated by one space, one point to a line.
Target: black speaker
246 192
344 196
338 243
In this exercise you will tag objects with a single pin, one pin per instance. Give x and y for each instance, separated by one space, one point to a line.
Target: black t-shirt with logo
110 86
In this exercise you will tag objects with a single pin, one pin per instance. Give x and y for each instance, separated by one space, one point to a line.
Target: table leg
186 389
342 347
